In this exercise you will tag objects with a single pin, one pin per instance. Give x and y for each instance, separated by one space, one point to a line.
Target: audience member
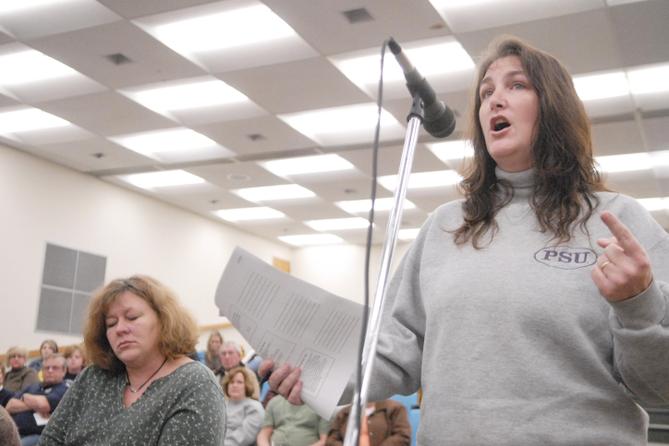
289 425
76 362
387 424
9 436
211 356
46 348
5 394
19 376
244 414
230 356
141 388
32 407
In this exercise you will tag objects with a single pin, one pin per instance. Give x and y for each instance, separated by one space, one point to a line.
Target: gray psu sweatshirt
513 344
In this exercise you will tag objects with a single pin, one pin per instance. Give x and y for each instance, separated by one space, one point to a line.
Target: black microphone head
440 125
394 46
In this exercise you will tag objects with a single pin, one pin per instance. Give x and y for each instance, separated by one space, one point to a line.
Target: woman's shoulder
93 375
195 374
623 206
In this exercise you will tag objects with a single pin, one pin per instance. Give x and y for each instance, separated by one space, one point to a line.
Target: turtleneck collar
522 182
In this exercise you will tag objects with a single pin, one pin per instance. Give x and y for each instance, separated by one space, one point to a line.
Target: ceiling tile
643 32
322 23
107 114
588 41
296 86
85 51
271 135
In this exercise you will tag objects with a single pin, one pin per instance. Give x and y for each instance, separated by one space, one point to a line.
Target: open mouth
501 126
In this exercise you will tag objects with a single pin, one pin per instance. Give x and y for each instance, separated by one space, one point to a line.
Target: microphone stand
415 119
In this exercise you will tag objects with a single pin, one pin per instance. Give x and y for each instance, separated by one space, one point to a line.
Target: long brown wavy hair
178 331
565 175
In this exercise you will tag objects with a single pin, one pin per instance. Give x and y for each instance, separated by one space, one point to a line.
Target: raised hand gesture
623 270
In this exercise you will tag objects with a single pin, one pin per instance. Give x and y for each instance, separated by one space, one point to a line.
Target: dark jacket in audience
19 379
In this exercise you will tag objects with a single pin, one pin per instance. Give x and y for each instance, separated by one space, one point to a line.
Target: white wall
42 202
340 269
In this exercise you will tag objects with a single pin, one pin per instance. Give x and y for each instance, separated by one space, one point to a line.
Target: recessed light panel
11 7
651 79
423 180
624 163
249 214
307 165
29 66
166 178
189 95
363 206
601 86
172 145
247 25
456 150
311 239
272 193
333 224
343 125
29 119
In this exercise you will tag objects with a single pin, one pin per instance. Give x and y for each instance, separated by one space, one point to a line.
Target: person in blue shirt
39 400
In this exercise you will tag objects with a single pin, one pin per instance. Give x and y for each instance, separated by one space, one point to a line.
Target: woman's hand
623 270
285 380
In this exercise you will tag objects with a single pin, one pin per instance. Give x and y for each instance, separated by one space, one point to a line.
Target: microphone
439 120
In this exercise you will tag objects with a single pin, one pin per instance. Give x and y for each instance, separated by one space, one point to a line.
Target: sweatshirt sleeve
640 325
397 365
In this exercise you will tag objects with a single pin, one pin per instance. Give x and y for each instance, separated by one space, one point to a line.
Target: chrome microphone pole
394 221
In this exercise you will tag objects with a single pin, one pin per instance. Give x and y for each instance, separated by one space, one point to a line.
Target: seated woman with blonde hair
213 346
141 387
244 413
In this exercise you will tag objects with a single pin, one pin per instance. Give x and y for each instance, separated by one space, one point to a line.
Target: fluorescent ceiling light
246 214
187 96
625 163
649 80
166 178
333 224
443 5
307 164
408 233
423 180
660 157
434 59
9 7
655 204
160 141
29 66
323 123
601 86
233 28
311 239
29 119
269 193
380 204
621 2
456 150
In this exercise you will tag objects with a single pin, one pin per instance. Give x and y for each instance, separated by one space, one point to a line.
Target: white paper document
289 320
